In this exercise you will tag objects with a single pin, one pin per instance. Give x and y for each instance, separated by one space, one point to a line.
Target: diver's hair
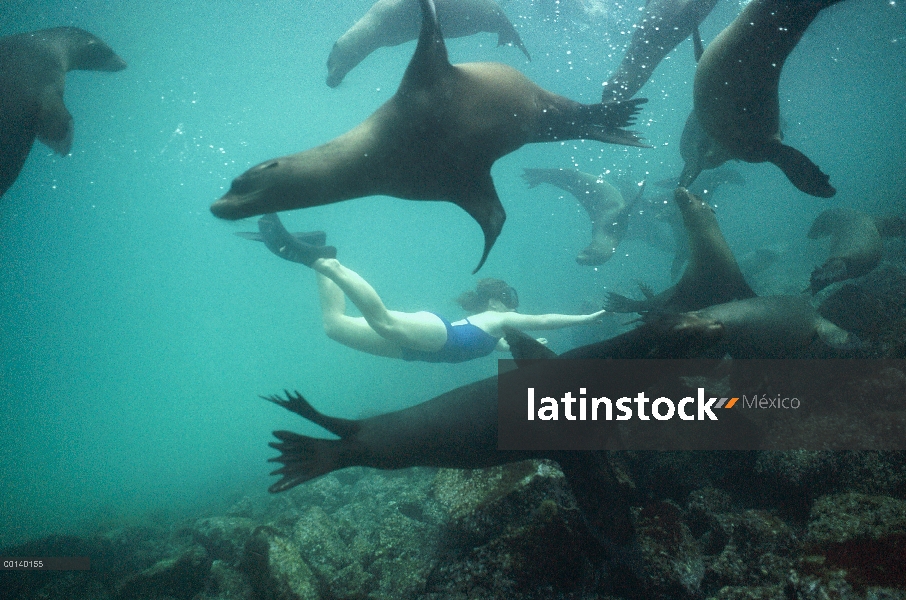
477 300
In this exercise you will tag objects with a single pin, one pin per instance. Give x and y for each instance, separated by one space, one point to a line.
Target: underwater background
136 331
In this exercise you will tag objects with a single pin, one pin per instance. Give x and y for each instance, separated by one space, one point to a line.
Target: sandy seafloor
136 331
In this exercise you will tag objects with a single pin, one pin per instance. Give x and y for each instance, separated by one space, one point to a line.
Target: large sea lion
736 88
435 139
457 429
33 69
712 275
855 247
771 327
395 22
664 24
608 211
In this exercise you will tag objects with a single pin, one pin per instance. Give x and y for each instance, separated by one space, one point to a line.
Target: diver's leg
353 332
420 331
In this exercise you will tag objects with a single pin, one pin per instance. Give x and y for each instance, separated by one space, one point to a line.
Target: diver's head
489 294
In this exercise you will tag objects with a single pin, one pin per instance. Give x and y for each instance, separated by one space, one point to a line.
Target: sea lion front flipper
430 58
524 347
802 172
55 125
697 45
689 175
18 127
484 205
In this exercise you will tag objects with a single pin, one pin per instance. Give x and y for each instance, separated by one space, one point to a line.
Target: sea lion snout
246 192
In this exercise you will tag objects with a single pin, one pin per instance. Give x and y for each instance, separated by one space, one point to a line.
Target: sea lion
706 184
855 247
33 69
770 327
435 139
395 22
735 92
608 211
457 429
712 275
662 27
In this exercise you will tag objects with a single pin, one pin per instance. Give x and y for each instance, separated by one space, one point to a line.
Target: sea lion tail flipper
526 348
484 205
802 172
646 290
431 52
509 35
604 122
296 403
304 458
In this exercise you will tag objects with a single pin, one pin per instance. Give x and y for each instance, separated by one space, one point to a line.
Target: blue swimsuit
464 342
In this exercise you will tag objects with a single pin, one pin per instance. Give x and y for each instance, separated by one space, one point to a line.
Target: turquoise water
136 331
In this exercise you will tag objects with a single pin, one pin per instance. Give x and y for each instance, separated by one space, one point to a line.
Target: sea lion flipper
802 172
296 403
689 175
55 125
484 205
697 45
18 127
524 347
509 35
430 60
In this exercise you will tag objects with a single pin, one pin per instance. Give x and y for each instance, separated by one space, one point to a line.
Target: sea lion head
263 188
86 51
690 204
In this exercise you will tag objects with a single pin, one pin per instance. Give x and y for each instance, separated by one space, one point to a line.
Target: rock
223 537
181 577
514 532
864 535
273 566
